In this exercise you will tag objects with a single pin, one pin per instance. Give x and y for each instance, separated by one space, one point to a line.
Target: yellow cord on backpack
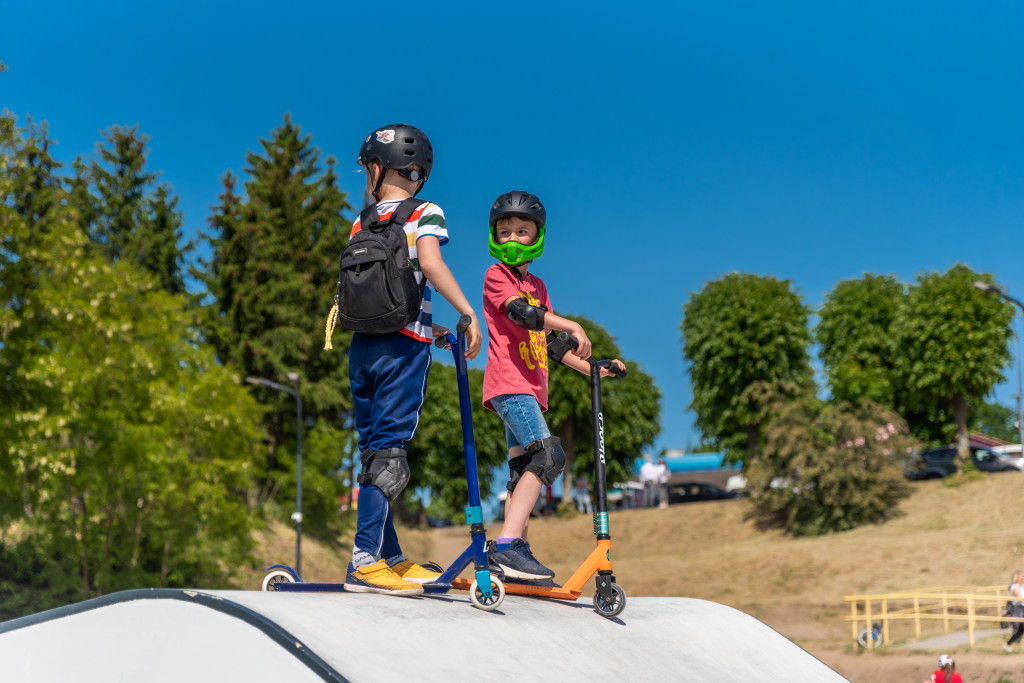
332 320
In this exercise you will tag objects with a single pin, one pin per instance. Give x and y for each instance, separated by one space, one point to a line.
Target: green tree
436 454
854 330
995 419
124 214
953 343
745 337
271 278
829 467
126 446
631 410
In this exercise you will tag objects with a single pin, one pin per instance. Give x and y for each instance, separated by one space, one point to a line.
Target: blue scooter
486 591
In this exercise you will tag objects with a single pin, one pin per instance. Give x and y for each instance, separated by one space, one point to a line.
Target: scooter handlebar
559 344
460 329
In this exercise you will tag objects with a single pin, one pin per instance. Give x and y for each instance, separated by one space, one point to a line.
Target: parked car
936 463
697 491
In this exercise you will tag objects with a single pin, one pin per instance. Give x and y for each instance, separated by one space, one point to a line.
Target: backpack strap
369 218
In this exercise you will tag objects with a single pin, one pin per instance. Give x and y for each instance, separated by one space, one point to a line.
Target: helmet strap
379 183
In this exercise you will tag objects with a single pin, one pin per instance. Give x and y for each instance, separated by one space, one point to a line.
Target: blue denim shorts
524 421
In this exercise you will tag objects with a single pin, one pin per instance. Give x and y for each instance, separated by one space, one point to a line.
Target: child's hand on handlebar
605 372
440 331
473 338
582 349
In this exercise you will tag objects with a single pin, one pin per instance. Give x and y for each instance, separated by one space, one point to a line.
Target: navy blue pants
388 377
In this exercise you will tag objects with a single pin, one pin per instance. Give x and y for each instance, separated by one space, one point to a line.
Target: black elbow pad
521 312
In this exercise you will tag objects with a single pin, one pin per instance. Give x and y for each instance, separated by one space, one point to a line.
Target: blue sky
670 142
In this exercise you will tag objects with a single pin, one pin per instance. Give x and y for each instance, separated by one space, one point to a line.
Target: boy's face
514 228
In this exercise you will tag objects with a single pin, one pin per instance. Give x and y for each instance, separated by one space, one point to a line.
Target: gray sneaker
518 562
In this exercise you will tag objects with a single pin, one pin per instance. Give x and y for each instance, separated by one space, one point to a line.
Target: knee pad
516 467
547 459
386 469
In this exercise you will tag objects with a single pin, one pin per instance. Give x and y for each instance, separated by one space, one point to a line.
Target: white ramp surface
193 636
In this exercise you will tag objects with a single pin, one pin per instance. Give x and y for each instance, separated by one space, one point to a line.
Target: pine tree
124 214
272 277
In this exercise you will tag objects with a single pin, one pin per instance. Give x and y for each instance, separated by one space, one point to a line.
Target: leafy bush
827 468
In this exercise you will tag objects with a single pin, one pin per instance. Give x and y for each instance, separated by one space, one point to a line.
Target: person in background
946 673
663 475
582 488
1016 609
649 474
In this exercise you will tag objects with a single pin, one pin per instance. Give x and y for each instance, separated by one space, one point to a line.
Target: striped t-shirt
427 219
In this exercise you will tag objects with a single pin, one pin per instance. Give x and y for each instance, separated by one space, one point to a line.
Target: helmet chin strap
410 175
379 183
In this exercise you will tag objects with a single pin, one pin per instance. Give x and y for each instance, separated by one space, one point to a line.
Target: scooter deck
522 589
573 588
307 587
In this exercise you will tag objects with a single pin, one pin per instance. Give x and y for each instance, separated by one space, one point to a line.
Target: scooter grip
440 342
464 323
567 338
614 369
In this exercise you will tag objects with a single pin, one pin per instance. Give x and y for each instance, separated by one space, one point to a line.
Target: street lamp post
992 289
297 515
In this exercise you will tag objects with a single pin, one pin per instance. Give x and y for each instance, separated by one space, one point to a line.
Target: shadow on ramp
193 636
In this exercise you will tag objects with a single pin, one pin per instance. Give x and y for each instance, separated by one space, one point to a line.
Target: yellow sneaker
378 578
410 571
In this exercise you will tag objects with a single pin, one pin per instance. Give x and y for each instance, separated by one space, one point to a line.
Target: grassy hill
970 534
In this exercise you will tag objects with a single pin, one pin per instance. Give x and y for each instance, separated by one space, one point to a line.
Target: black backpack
377 289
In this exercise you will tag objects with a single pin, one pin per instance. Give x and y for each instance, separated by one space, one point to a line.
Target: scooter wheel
277 576
874 634
610 608
487 603
433 566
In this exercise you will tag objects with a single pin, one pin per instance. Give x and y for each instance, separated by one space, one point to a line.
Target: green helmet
524 205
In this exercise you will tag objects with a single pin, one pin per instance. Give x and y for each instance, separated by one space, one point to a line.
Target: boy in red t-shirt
518 313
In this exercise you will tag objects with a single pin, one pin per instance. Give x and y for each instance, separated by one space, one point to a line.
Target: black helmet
519 203
398 146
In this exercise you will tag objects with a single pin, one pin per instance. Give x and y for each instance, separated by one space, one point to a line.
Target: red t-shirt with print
517 358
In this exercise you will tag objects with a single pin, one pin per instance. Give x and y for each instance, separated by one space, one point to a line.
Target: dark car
941 462
697 491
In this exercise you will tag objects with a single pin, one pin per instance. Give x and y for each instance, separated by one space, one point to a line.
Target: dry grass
965 535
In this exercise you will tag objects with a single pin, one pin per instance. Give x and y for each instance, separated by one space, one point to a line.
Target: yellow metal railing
976 605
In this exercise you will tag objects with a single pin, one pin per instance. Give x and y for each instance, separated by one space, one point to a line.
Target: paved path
949 641
194 636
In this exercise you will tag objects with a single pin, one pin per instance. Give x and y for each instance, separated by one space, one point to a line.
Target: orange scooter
609 599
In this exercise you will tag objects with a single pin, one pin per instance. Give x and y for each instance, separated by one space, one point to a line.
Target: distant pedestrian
649 474
582 490
663 475
946 673
1016 609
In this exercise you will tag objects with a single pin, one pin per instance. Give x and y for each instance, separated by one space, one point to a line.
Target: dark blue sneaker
517 562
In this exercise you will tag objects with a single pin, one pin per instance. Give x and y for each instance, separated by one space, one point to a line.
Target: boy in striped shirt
388 372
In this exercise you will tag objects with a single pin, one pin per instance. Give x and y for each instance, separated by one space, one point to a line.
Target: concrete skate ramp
192 636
